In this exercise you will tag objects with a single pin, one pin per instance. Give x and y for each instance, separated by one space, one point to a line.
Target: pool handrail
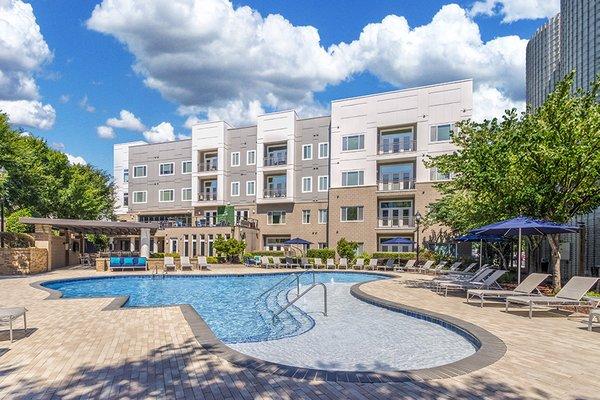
289 303
296 278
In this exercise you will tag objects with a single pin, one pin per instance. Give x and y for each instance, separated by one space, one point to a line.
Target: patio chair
595 313
389 265
289 263
304 263
202 263
438 268
360 263
438 282
461 275
185 263
318 263
372 264
8 315
343 264
409 264
525 288
330 263
486 283
425 267
169 263
570 295
277 262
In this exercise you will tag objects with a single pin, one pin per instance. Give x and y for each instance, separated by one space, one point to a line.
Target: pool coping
490 347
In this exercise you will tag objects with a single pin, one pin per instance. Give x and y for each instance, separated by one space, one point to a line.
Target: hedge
163 255
323 254
264 253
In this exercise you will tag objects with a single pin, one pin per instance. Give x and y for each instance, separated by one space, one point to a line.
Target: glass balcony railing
208 196
208 166
274 193
402 146
396 222
392 185
274 159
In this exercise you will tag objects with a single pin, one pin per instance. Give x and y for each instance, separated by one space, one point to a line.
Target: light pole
2 177
418 223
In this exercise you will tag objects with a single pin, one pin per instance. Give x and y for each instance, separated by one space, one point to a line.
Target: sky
85 75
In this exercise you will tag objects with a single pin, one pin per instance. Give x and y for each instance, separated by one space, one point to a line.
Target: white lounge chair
343 264
186 263
410 264
360 263
330 263
570 295
289 263
318 263
169 263
525 288
483 281
277 262
372 264
8 315
304 263
425 267
594 314
202 263
457 276
438 268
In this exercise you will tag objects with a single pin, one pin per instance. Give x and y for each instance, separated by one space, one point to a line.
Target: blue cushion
115 261
128 261
141 261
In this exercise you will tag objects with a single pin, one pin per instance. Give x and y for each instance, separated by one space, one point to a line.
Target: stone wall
23 261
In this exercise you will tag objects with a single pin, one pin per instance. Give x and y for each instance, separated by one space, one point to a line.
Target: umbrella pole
480 252
519 260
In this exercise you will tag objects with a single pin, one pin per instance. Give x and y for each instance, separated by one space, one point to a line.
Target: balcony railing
275 159
207 196
397 147
396 222
274 193
211 222
390 185
208 166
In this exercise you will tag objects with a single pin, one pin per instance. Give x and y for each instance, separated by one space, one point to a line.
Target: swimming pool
239 309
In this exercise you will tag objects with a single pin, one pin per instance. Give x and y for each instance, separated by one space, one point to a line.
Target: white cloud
85 104
491 103
29 113
127 120
75 159
23 51
105 132
515 10
162 132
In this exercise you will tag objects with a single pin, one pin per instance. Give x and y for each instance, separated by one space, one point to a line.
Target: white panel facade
120 164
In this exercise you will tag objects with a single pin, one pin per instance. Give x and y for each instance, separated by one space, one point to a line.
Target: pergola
109 228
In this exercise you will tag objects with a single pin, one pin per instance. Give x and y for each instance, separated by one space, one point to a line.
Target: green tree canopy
543 164
42 181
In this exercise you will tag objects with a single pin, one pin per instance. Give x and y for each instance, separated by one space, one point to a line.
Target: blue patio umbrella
297 241
398 240
520 226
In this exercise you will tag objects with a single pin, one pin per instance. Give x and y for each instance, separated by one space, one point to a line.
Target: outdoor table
10 314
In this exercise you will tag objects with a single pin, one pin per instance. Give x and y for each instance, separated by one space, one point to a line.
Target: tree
347 249
228 248
543 164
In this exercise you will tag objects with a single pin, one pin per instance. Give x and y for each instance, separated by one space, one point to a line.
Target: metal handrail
296 278
302 294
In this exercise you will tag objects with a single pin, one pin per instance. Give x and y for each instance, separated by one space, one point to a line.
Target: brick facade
23 261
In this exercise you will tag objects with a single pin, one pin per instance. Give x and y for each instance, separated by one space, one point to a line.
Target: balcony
208 166
396 222
211 222
207 196
276 159
395 147
395 185
274 193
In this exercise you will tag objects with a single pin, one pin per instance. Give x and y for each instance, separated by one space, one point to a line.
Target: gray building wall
312 131
241 140
152 155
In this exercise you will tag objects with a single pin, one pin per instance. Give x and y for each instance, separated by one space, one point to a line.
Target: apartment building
357 174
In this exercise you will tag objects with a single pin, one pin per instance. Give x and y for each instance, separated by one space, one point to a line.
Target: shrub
347 249
265 253
323 254
229 248
212 260
366 256
163 255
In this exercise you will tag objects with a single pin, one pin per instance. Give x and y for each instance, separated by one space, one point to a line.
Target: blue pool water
232 306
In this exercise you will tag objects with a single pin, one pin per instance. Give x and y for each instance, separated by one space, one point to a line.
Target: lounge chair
277 262
472 283
330 263
525 288
409 264
186 263
438 268
570 295
594 314
318 263
343 263
169 263
202 263
289 263
425 267
372 264
453 268
389 265
304 263
8 315
488 282
460 276
360 263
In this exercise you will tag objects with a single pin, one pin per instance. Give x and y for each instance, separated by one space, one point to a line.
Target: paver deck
76 350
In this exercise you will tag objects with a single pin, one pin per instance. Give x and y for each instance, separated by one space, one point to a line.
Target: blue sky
164 68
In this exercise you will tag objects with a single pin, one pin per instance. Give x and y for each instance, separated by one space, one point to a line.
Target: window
166 195
359 249
186 194
125 199
323 183
322 245
276 217
352 213
323 216
126 175
306 216
353 142
250 188
307 184
235 188
140 197
435 175
307 152
441 133
251 157
235 159
173 245
166 169
323 150
353 178
139 171
186 167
